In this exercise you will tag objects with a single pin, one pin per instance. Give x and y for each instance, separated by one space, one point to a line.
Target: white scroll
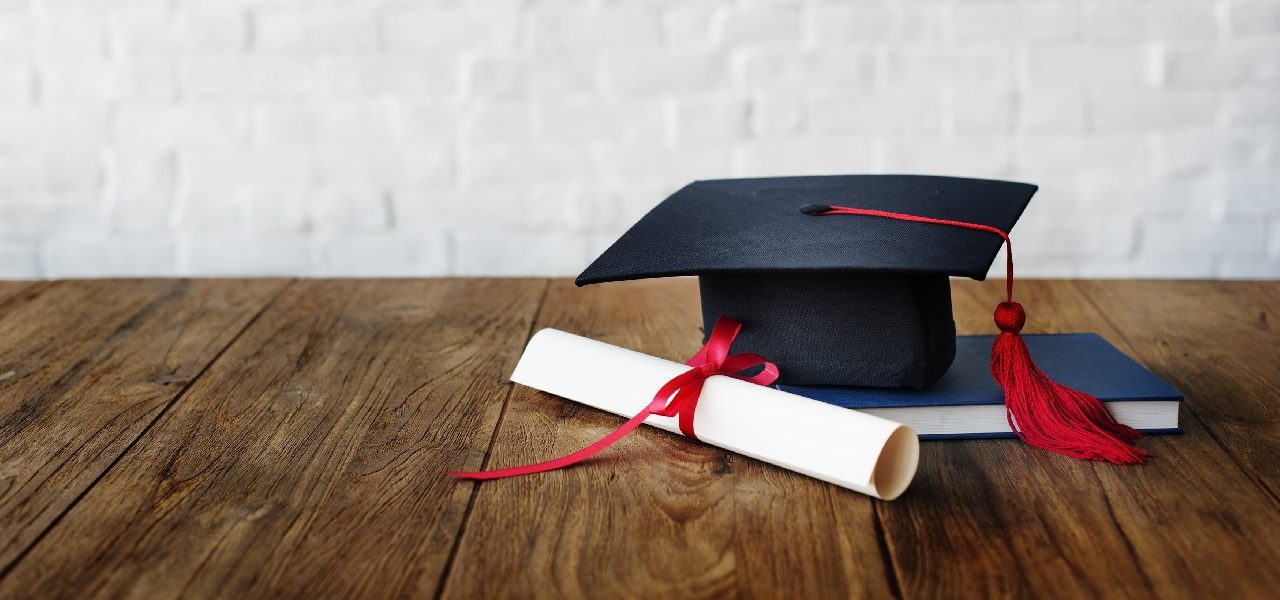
854 450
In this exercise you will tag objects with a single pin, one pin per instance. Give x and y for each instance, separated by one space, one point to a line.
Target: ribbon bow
678 397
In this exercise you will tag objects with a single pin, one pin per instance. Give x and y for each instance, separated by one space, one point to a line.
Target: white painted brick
1049 111
1273 241
684 164
213 213
1129 110
15 85
497 252
776 113
612 207
324 30
1040 156
1159 267
1102 238
1248 19
1249 269
328 123
702 120
535 163
47 36
1022 22
435 28
140 191
421 254
497 122
688 27
1252 195
1249 109
183 33
34 215
247 78
187 125
1161 20
831 24
1051 66
432 123
577 28
654 72
279 210
97 255
420 166
501 75
1177 240
512 206
901 111
366 209
1233 63
579 119
825 69
52 127
928 66
100 82
210 171
211 254
804 156
970 157
1190 152
982 110
18 260
756 26
393 77
1138 195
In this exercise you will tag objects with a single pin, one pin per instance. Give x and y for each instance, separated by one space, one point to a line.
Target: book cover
967 403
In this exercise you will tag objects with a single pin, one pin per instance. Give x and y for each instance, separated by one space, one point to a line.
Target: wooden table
260 437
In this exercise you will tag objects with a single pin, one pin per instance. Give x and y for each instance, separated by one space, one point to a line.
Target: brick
420 254
895 111
183 33
614 206
1248 19
1176 240
214 254
1189 152
420 166
16 87
756 26
380 76
968 157
1049 111
328 123
101 82
242 78
688 27
279 210
1251 195
981 110
804 156
216 172
663 73
1042 234
1248 269
538 205
776 113
65 36
1137 195
1232 63
659 164
1249 109
1023 22
701 120
824 69
576 28
1160 267
365 209
435 28
18 260
1131 110
591 119
497 252
505 75
433 123
929 66
498 121
54 127
33 215
140 189
1074 65
1052 155
210 213
1172 20
308 31
98 255
187 125
831 24
538 163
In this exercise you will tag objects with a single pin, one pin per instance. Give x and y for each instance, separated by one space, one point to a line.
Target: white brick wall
397 137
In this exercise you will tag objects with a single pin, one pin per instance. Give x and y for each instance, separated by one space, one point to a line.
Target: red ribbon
679 396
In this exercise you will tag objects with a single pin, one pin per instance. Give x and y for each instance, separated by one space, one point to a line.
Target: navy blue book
967 403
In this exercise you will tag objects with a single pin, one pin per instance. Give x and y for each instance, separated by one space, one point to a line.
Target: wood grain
657 515
308 460
10 289
85 367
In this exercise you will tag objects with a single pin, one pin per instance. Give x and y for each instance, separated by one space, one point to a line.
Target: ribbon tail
564 461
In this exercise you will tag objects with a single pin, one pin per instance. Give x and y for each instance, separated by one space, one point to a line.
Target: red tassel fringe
1049 415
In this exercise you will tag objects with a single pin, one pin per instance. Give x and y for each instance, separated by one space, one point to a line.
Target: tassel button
1010 317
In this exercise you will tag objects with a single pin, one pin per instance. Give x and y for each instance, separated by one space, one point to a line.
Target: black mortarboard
862 302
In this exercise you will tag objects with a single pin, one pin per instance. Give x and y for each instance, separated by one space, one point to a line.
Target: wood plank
1219 343
657 515
308 459
10 289
85 367
1015 521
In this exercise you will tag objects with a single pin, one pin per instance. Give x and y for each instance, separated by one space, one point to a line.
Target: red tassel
1049 415
1043 413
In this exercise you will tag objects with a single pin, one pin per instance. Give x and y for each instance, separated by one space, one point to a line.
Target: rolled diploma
854 450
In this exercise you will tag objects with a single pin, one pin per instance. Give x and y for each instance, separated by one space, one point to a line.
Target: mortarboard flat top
755 225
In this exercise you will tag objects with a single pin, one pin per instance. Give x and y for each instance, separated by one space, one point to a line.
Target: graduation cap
858 302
